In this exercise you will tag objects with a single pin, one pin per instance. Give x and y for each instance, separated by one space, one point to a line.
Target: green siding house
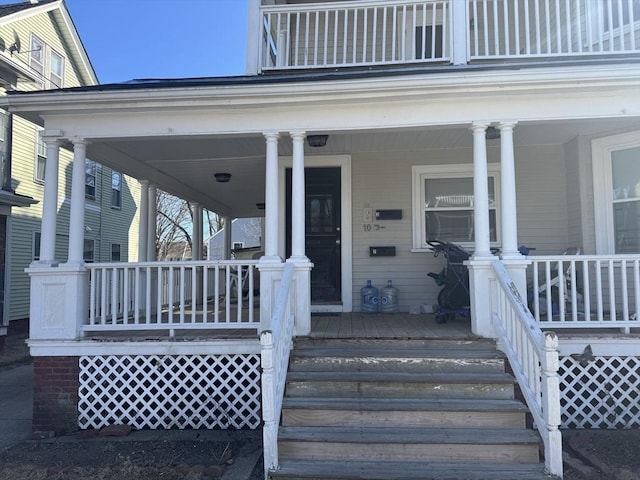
40 50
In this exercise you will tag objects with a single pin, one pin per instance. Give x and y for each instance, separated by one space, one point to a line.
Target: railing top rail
555 258
533 330
186 263
354 4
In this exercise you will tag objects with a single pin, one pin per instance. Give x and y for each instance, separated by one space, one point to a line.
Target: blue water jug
389 298
369 298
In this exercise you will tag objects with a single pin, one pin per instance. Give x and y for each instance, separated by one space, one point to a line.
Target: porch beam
481 229
143 220
76 221
271 240
298 198
152 222
50 205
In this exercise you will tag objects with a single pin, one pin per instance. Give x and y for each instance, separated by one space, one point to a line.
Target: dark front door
322 231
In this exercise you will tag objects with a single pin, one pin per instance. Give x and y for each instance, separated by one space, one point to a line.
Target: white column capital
507 125
144 183
52 141
80 142
272 136
298 134
480 126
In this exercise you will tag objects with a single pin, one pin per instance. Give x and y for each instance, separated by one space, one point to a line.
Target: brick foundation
55 394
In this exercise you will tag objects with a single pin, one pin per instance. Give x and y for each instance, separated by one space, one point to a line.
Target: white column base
480 279
302 292
270 277
517 268
58 302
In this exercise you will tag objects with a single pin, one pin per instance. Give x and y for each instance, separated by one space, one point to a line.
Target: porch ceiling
186 166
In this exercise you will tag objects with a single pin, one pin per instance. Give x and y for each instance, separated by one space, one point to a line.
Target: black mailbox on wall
382 251
388 214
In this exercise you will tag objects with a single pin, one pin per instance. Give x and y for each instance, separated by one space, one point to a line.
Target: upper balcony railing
391 32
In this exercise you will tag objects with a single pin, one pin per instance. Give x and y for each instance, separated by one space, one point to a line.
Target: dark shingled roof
18 7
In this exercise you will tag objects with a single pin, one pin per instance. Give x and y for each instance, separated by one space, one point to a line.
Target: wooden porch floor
338 325
381 325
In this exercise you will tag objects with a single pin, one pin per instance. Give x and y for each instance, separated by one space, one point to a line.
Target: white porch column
514 262
298 199
481 232
196 236
50 204
271 224
151 224
76 221
254 38
302 274
509 217
226 238
143 228
480 271
460 26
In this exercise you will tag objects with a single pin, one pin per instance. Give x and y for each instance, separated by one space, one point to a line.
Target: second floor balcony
337 34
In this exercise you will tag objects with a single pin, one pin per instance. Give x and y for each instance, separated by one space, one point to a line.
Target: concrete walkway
16 404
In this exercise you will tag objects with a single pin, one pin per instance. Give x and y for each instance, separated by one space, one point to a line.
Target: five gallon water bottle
369 298
389 298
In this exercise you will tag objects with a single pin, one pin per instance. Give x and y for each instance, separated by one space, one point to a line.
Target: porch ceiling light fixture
260 206
317 140
492 133
222 177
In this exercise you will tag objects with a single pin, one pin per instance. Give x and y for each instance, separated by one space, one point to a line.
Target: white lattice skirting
170 391
602 392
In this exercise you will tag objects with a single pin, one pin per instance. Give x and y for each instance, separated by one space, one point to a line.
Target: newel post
270 429
551 407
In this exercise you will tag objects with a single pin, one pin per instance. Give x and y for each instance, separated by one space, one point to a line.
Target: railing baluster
114 296
345 35
505 21
327 16
586 291
317 33
600 300
194 293
374 36
354 40
365 35
228 293
384 34
612 292
103 296
205 293
336 18
216 296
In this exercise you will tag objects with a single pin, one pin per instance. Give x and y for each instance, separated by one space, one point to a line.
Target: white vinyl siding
381 180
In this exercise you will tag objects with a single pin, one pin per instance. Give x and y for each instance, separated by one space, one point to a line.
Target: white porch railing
547 28
388 32
172 295
533 356
355 33
585 291
276 346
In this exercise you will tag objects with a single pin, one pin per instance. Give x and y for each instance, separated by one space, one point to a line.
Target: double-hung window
56 70
36 55
116 190
443 205
90 178
616 165
41 158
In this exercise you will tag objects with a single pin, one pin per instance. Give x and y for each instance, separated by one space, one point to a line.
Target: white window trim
418 172
601 150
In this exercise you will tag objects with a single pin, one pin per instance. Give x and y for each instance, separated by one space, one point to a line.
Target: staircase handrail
276 345
533 356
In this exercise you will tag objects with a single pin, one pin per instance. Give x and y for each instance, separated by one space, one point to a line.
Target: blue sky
128 39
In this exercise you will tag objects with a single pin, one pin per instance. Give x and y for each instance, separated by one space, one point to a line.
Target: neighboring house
245 234
366 130
40 50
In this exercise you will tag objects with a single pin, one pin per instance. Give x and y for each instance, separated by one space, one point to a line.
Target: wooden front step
409 444
403 409
368 470
400 384
390 412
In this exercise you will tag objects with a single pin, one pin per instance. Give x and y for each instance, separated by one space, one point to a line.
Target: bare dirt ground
70 458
